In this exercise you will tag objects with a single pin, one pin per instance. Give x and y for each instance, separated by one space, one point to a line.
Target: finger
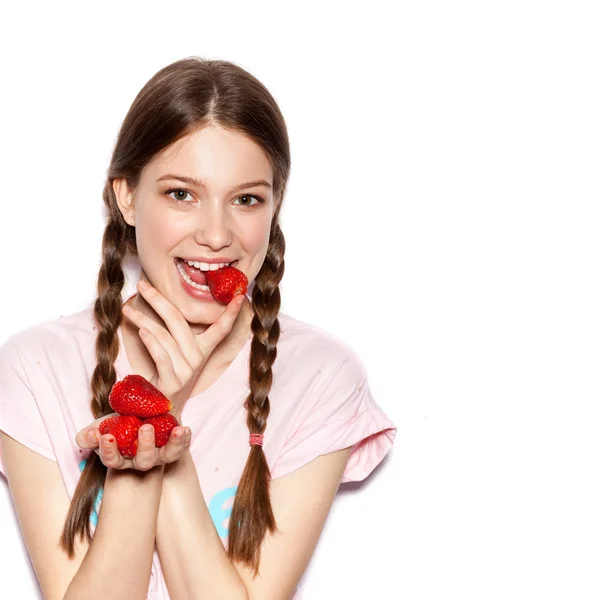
208 340
109 452
180 362
178 338
174 448
145 457
82 437
88 438
188 440
164 365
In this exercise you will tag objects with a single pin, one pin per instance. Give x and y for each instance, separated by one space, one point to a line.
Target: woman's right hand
147 456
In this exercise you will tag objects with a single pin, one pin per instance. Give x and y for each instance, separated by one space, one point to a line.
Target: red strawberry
163 425
135 395
225 283
125 430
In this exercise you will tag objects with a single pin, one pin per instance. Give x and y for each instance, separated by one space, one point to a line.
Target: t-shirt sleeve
344 415
20 417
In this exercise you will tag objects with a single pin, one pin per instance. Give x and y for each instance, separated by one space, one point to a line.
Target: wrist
180 467
135 477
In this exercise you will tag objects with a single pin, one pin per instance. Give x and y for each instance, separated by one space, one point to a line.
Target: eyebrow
198 183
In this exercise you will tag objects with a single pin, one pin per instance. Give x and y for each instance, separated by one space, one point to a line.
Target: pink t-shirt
320 402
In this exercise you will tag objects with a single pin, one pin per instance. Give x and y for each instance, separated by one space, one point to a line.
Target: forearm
193 559
119 560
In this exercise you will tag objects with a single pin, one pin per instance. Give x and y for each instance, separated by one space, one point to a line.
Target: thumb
83 439
212 337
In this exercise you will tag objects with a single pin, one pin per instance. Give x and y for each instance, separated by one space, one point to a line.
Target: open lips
138 402
225 283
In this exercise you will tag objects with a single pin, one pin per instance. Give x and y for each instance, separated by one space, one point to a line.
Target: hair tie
256 439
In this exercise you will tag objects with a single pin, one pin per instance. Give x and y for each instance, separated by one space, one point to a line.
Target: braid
107 314
252 514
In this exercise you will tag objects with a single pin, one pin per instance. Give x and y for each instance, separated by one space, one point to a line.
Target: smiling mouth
196 276
191 275
178 259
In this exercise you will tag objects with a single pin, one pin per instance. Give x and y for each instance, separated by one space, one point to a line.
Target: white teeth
206 266
198 286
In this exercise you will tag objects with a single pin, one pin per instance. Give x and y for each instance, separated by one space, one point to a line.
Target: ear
125 199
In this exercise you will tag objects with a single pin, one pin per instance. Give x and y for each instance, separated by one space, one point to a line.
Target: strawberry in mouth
195 273
221 283
225 283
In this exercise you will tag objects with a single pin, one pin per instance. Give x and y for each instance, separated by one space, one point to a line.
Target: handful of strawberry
138 402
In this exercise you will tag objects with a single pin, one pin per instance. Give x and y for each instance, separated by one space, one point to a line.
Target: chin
199 326
203 314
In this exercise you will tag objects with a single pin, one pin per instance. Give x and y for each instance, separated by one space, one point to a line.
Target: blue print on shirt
94 516
217 513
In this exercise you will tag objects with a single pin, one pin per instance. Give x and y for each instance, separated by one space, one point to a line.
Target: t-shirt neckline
124 368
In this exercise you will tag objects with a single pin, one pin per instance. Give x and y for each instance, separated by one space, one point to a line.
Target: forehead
221 158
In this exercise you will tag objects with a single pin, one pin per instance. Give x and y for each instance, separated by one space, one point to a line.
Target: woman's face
217 219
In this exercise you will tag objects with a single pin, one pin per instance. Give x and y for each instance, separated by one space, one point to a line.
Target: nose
214 227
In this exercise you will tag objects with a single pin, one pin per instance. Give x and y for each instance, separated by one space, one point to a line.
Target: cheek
157 232
258 244
258 233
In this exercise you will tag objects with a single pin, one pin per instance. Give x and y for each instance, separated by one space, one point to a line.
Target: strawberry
135 395
163 425
125 430
225 283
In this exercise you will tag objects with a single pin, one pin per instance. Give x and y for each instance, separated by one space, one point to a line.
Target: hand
147 455
178 353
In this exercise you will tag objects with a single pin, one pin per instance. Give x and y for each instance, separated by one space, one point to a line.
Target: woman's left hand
179 353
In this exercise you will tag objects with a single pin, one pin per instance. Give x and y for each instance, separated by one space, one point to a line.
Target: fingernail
147 431
94 436
143 285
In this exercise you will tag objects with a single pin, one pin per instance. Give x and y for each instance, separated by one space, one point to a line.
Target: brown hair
180 98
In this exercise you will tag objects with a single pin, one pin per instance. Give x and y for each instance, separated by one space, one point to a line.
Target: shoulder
315 351
307 339
52 337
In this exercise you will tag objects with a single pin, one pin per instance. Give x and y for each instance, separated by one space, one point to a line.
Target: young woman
274 413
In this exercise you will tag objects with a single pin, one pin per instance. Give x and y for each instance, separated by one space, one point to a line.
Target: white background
441 217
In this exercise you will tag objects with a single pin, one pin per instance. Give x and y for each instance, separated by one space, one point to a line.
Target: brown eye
181 193
259 199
